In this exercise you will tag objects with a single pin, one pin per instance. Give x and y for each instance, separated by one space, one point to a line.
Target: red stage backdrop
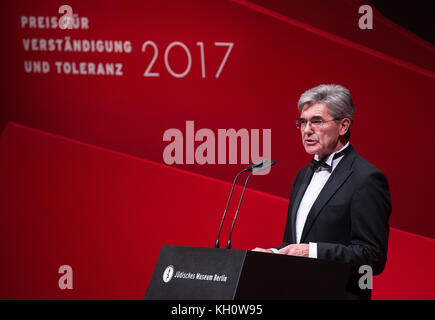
132 77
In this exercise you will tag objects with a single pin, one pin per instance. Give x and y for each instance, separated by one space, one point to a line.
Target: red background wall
280 50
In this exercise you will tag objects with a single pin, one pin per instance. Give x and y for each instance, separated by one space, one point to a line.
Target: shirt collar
331 156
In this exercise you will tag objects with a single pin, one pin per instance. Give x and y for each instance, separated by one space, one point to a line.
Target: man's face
324 139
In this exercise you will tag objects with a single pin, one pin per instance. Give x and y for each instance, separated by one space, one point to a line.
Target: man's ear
344 126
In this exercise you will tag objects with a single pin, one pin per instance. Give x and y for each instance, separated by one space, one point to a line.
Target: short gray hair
336 97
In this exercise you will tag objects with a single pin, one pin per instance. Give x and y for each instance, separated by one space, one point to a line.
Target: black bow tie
320 164
315 164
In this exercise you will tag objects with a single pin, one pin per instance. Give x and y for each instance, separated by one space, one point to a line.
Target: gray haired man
340 203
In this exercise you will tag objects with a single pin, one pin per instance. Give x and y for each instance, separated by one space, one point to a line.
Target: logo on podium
168 273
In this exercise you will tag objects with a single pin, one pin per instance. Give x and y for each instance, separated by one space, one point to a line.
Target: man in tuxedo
339 204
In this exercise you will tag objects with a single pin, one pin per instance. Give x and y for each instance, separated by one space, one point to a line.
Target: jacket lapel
340 174
301 191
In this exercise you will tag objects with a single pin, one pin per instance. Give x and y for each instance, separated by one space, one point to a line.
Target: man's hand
262 250
300 250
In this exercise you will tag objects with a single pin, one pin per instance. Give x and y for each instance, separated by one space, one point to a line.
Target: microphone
268 165
256 165
248 168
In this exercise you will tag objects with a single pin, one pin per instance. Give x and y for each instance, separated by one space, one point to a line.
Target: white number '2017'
149 73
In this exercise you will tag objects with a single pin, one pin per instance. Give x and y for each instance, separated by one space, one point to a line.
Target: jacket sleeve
370 209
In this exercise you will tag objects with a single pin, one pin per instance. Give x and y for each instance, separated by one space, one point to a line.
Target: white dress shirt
318 181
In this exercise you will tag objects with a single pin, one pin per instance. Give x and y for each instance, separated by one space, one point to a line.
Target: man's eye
316 121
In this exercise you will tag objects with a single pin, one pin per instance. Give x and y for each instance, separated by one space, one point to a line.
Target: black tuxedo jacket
349 219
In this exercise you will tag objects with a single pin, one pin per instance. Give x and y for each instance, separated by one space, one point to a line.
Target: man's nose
307 128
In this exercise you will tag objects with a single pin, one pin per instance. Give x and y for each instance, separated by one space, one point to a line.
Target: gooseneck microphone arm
237 211
226 208
249 168
268 165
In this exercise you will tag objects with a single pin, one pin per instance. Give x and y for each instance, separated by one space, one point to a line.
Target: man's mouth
310 142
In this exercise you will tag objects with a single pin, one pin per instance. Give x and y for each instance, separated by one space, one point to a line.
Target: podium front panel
191 273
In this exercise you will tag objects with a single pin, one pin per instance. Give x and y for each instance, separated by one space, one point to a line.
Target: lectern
192 273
